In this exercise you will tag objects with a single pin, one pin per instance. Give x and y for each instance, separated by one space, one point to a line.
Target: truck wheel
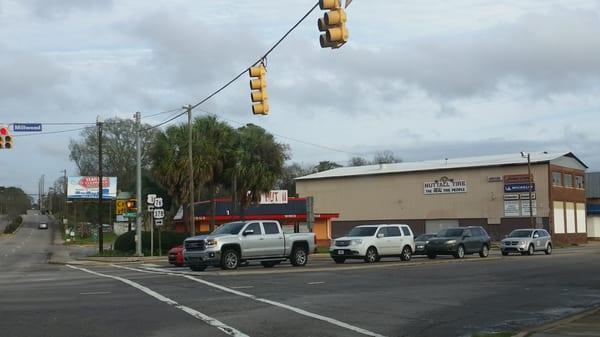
230 259
339 260
198 267
269 264
406 253
299 256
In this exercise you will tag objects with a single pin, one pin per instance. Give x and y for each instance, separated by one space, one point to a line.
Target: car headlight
426 242
521 242
211 243
356 242
450 242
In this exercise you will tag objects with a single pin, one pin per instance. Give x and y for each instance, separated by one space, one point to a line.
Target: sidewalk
583 324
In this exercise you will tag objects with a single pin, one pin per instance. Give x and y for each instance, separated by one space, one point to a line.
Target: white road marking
258 299
207 319
313 283
96 293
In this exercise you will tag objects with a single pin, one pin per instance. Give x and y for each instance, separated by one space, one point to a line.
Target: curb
563 321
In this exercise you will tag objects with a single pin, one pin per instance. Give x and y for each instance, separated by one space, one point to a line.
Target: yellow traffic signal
333 23
258 84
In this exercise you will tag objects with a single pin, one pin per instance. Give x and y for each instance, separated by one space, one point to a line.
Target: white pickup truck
241 241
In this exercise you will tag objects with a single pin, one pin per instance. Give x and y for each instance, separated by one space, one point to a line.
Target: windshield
450 232
520 234
229 228
362 231
424 237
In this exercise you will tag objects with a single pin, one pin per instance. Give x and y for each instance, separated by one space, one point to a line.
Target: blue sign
515 188
27 127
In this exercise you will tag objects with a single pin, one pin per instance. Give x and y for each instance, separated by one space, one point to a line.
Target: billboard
274 197
87 188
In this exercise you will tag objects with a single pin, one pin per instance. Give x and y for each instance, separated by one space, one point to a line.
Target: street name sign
27 127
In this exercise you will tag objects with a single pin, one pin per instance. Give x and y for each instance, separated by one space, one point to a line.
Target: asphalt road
444 297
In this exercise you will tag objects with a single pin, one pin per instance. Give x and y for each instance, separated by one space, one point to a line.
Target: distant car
43 225
176 256
459 241
420 242
371 242
527 241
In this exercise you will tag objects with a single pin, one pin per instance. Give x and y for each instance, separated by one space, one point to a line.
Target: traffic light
5 138
258 84
131 206
333 23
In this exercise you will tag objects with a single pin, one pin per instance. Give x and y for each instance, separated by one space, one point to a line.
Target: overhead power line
235 78
48 132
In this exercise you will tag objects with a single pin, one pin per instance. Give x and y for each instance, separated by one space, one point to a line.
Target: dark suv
459 241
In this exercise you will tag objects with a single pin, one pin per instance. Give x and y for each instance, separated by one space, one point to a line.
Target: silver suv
526 241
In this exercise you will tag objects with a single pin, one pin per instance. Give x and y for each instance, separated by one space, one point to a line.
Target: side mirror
535 236
248 232
380 235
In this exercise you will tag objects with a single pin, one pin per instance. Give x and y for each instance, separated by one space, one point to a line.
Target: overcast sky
424 79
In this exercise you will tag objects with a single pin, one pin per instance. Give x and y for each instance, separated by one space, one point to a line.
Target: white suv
371 242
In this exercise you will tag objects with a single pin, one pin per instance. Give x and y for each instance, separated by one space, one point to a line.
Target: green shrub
13 225
126 242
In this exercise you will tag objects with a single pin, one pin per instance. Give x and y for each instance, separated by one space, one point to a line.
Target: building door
434 226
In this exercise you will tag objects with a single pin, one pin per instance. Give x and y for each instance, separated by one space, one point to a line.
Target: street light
528 156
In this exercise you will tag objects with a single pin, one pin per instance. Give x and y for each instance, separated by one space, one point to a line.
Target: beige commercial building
491 191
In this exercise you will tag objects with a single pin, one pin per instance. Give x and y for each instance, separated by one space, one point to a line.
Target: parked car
176 256
527 241
43 225
237 242
372 242
459 241
420 242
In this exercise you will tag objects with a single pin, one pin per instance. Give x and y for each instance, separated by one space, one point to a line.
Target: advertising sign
87 187
274 197
516 188
517 179
444 186
526 209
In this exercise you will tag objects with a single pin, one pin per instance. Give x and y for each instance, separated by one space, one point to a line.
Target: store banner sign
87 187
445 186
525 209
517 188
274 197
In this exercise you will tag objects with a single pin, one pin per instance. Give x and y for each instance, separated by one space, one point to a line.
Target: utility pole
138 217
100 230
65 212
531 223
190 159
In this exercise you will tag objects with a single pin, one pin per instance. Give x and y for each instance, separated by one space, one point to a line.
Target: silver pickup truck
236 242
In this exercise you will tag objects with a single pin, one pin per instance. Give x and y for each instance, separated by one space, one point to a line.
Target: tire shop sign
445 185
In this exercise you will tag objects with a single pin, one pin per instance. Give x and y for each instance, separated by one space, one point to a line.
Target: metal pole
191 164
138 217
100 231
66 212
530 202
151 234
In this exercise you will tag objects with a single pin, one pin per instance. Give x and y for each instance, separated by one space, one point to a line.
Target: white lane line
259 299
96 293
313 283
206 319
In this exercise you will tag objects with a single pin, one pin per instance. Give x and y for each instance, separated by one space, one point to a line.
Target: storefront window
556 179
568 180
579 182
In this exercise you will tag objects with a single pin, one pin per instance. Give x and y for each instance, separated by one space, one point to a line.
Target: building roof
440 164
592 185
